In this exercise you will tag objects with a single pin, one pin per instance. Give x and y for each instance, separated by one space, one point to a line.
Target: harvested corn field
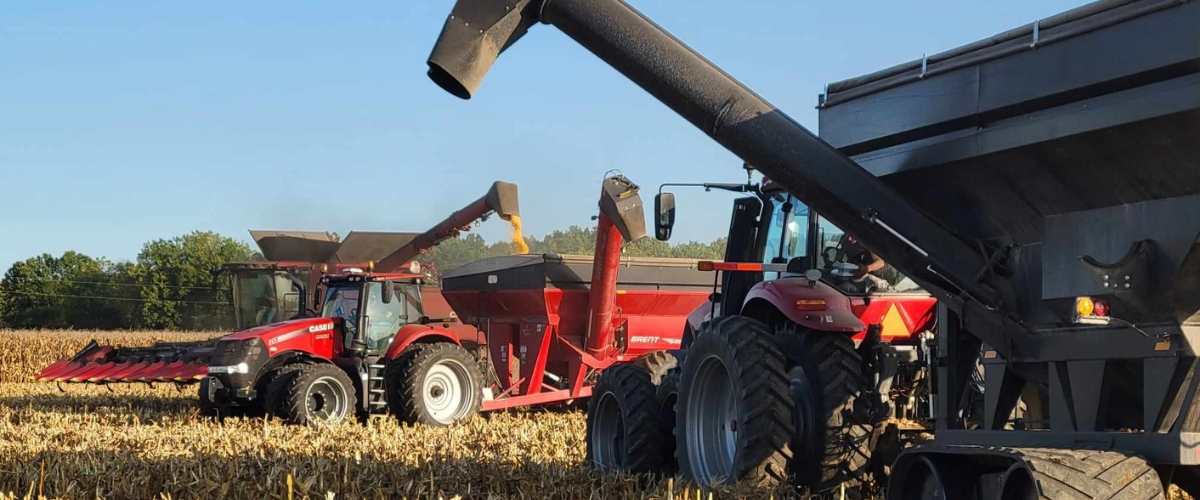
137 441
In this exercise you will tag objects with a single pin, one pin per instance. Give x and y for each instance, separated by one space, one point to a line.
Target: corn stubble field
137 441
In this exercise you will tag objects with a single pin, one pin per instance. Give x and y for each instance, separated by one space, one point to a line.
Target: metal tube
501 198
603 296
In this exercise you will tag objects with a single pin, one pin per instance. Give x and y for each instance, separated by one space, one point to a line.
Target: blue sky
122 122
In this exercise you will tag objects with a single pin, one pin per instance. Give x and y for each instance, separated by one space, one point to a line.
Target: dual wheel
753 404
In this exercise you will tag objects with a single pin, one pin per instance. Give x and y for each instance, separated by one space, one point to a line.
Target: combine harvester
1041 184
543 333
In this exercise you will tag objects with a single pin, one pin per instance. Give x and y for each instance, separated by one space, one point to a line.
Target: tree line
172 283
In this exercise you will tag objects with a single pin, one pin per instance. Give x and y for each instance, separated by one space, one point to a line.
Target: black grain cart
1043 183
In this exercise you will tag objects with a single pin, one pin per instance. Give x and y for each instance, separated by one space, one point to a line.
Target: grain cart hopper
1021 180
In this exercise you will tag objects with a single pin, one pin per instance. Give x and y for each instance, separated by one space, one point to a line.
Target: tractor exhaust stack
501 199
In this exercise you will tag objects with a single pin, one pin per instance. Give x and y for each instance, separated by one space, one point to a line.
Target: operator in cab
865 277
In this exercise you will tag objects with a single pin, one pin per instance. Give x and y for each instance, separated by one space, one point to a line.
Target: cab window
786 236
837 250
387 319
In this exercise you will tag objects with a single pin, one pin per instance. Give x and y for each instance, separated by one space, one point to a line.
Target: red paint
409 334
917 313
783 293
313 336
607 257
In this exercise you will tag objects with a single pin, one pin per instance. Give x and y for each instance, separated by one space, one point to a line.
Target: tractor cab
372 306
779 231
805 240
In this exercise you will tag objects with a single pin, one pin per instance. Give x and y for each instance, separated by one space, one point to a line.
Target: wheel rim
608 433
806 438
1019 485
326 400
923 483
445 389
712 422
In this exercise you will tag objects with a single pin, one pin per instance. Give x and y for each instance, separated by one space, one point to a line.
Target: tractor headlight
238 368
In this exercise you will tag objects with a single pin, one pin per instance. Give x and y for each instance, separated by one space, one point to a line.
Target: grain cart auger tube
501 199
1034 214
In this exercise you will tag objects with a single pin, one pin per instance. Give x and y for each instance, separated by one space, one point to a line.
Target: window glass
786 236
255 301
840 256
342 302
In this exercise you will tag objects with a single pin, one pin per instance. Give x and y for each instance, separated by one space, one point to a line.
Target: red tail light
1101 308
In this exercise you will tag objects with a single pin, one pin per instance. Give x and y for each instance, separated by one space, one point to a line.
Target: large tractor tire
319 394
831 443
434 384
276 389
666 395
733 416
623 431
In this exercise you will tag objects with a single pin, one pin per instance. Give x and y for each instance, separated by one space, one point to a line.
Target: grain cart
1021 180
552 323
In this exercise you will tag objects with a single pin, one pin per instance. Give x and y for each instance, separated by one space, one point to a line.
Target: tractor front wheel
319 394
733 415
275 388
622 422
434 384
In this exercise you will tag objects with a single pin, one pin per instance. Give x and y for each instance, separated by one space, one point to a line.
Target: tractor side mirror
387 292
316 300
664 215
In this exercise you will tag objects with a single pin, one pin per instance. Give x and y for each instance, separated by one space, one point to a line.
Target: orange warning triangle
893 324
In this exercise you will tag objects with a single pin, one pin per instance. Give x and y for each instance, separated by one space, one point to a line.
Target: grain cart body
552 321
1040 183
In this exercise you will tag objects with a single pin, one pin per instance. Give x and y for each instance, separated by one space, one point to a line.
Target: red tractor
791 272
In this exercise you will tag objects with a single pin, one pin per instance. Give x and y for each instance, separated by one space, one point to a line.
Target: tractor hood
308 335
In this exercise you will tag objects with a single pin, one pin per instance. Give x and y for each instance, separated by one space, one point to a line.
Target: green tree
176 277
71 291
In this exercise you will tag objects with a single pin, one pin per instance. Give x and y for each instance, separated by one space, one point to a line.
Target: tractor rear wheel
665 397
319 394
733 416
434 384
831 442
622 422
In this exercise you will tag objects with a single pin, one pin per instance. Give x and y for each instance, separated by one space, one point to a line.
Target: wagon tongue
162 362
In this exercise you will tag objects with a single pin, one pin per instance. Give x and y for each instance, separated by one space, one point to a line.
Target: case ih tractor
1041 184
837 318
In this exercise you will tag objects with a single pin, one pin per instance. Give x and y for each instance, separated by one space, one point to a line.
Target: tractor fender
794 298
419 334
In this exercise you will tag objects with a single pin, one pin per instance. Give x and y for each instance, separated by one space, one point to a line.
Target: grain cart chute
1021 180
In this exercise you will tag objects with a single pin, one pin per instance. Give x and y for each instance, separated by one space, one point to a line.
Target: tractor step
376 392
